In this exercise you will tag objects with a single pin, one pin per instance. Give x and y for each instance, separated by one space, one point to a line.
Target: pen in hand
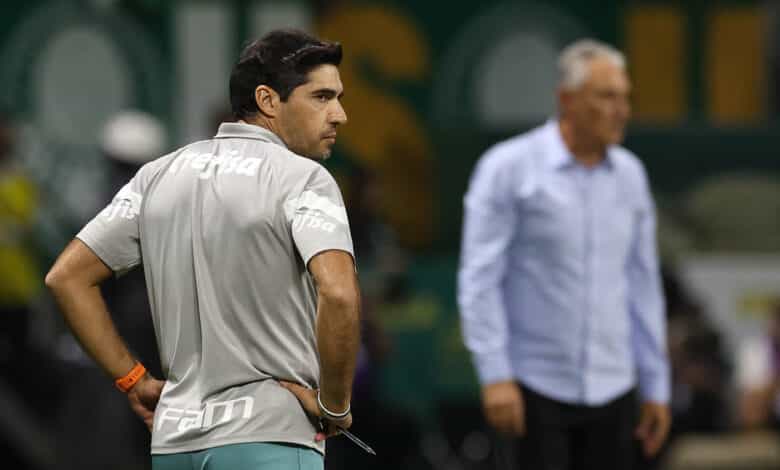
357 441
351 437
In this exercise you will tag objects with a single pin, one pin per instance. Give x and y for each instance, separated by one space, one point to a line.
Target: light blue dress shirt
558 284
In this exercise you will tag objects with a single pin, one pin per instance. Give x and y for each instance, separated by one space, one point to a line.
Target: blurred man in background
559 285
251 277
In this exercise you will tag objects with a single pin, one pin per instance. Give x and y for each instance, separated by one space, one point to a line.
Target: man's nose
338 116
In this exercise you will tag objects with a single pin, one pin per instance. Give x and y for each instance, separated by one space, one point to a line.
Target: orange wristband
126 383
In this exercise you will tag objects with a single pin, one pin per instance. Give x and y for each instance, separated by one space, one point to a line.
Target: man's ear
566 99
563 95
268 100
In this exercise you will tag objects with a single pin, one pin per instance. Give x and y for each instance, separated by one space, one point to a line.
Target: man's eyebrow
327 91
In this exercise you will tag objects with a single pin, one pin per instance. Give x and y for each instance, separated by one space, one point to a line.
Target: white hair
574 59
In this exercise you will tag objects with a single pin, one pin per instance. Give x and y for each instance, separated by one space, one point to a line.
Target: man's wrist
329 413
493 367
126 382
654 391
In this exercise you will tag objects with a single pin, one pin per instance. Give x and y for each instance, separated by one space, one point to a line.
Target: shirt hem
164 450
555 393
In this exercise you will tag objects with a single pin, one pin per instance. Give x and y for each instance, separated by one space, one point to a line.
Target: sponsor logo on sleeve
126 205
311 210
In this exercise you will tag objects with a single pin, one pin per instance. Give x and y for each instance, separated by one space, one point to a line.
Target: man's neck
264 123
586 150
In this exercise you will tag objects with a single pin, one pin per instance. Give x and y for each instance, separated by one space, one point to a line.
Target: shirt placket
588 268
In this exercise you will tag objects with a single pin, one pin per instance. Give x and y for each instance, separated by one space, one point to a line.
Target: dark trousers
561 436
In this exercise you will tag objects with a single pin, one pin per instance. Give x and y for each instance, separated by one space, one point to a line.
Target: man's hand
143 398
308 399
654 423
504 407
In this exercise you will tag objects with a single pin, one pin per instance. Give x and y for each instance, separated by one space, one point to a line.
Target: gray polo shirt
225 229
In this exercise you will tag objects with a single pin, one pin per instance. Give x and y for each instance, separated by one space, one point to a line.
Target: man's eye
322 98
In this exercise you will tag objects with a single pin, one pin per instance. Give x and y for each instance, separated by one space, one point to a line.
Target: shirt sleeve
113 235
647 304
488 228
318 219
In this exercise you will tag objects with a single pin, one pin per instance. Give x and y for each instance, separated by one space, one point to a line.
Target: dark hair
281 60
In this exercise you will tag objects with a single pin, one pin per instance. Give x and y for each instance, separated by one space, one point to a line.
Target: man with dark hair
249 266
283 61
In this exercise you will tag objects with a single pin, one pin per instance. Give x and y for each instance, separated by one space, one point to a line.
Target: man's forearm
338 340
86 314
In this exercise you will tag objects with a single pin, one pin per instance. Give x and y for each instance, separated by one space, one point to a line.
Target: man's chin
615 138
325 153
319 157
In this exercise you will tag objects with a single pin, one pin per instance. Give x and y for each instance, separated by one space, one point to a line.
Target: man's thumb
292 387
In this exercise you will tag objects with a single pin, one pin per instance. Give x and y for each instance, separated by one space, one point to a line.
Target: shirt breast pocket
547 217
